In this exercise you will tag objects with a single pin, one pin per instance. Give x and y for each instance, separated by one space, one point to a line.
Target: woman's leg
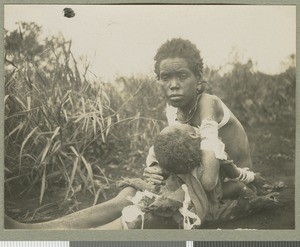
83 219
236 189
151 221
114 225
241 207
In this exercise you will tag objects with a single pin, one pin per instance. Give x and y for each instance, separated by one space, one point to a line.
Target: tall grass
61 128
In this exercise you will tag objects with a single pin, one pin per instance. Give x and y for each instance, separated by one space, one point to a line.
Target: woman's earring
199 89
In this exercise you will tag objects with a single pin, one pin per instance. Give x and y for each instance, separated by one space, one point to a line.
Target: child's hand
154 174
258 181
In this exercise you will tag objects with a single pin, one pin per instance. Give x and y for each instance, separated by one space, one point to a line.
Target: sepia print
149 117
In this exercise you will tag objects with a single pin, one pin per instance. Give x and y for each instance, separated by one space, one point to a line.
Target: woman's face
179 83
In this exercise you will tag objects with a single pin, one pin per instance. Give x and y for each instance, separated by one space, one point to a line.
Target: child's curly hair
183 49
177 151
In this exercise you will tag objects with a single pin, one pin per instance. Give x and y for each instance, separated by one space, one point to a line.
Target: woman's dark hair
177 152
183 49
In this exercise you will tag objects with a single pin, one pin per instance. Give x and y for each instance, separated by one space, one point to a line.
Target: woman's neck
184 115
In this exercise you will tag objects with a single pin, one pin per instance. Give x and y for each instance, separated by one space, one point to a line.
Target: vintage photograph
149 117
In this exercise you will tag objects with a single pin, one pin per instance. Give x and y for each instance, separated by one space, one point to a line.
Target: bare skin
180 84
151 222
85 219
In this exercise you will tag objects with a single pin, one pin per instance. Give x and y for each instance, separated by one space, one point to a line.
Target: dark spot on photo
69 13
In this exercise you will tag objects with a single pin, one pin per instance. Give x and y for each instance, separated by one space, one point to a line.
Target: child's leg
235 189
84 219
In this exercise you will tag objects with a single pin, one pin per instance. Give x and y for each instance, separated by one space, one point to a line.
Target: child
177 151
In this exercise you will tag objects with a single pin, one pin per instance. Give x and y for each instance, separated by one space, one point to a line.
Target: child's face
179 82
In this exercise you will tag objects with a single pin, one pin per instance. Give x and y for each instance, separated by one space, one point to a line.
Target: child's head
177 148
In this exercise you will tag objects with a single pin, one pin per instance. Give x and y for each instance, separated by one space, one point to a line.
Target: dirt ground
273 153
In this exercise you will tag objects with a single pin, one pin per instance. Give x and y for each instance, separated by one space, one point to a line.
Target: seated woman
179 69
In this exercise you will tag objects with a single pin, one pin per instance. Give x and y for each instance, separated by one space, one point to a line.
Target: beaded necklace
191 112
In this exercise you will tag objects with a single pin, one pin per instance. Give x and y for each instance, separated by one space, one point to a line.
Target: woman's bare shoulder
211 107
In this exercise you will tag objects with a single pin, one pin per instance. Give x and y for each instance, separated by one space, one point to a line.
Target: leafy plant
62 129
255 97
53 116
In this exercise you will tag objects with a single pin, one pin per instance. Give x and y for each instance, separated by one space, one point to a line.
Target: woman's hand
154 174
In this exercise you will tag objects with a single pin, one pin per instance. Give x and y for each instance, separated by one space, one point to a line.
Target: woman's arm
153 172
